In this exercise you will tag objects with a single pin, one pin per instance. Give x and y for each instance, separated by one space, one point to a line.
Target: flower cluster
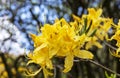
69 40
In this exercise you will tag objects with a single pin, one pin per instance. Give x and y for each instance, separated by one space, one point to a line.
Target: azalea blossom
68 40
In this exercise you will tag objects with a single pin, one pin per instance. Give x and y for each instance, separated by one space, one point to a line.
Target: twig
105 68
100 65
110 46
34 17
54 72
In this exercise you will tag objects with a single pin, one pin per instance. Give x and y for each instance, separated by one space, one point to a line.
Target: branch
105 68
110 46
34 17
100 65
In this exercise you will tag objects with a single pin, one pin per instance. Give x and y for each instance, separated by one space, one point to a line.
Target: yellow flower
41 56
117 37
77 53
102 32
72 49
97 23
60 40
94 26
94 13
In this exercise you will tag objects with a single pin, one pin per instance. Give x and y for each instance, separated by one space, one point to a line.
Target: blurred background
19 18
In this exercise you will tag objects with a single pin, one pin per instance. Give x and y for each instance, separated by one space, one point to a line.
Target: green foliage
110 76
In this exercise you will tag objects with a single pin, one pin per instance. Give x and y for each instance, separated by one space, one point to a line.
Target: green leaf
85 24
83 30
111 75
89 27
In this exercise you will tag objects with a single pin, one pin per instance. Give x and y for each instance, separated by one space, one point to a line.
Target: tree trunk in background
8 69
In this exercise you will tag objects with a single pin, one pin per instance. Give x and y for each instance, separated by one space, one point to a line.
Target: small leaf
83 30
111 76
89 27
85 24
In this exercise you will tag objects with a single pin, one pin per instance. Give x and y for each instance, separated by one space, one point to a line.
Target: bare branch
100 65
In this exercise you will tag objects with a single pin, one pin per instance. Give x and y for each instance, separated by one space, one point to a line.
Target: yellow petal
76 17
88 45
38 40
49 64
53 51
33 36
99 12
40 47
94 13
98 44
39 56
68 63
83 54
56 20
